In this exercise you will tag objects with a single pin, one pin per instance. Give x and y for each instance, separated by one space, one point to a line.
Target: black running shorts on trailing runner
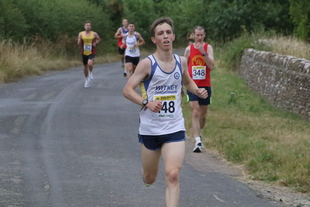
88 57
121 51
156 142
201 101
133 60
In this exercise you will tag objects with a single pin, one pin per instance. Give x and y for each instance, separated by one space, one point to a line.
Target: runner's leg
129 68
173 156
195 114
150 161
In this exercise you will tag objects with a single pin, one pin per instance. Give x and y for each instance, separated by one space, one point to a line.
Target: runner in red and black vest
200 64
120 35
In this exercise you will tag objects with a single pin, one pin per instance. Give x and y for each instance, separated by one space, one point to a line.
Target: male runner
120 35
162 130
88 40
200 63
132 41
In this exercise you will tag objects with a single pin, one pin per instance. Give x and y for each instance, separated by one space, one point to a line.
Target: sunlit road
63 145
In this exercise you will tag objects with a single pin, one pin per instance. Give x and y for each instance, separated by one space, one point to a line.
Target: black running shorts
156 142
87 57
133 60
201 101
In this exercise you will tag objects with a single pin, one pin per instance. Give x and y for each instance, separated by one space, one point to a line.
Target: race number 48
168 107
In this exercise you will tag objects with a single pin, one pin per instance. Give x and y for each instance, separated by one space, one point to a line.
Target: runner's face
199 35
131 27
87 26
164 35
125 23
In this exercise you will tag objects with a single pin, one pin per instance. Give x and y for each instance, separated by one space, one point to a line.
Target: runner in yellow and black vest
88 40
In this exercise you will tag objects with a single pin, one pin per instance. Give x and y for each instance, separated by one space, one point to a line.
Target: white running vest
131 50
166 87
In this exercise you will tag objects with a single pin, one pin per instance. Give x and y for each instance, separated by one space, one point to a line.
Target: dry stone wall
283 80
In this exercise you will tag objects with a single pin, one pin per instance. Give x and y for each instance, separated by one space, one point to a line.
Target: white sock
197 139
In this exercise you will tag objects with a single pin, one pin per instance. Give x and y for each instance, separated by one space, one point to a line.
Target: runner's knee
172 176
195 112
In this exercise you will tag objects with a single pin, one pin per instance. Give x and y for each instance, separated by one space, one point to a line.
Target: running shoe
125 73
91 77
87 81
198 147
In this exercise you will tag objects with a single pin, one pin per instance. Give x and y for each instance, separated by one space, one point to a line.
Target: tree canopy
223 19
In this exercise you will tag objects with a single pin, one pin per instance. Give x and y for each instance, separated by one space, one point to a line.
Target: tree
12 22
300 14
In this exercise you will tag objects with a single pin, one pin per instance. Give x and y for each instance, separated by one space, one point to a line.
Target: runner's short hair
88 22
198 28
160 21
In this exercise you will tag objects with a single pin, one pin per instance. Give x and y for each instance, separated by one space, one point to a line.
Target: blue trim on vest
154 65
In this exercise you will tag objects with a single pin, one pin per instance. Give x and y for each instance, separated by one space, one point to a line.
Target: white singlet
131 50
166 87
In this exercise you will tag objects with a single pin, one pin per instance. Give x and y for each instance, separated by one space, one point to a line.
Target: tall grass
272 144
231 52
33 58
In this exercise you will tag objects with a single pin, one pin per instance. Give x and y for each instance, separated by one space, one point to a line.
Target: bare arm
97 39
123 45
140 40
79 42
209 58
186 52
208 54
142 71
118 33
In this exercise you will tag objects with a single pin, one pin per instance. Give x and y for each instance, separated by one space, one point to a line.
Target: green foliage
232 51
224 18
141 12
12 22
300 13
59 21
60 17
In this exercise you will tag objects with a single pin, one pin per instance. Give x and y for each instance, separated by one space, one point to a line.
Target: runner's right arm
118 33
79 42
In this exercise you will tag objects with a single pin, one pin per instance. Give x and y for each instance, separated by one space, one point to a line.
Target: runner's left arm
209 57
140 40
97 39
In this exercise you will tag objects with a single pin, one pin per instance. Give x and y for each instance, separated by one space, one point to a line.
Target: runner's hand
154 106
202 93
200 47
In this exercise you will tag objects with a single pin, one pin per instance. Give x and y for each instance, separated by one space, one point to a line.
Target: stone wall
283 80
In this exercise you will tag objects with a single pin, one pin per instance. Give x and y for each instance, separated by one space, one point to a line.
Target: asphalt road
63 145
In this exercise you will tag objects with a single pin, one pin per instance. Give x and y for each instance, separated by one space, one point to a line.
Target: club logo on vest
177 75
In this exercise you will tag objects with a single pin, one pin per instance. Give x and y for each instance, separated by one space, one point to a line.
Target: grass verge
272 144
